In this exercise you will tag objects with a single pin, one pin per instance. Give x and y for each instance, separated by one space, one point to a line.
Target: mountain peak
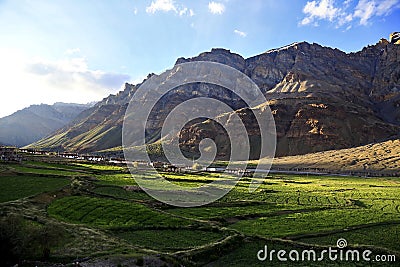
294 45
221 50
383 41
219 55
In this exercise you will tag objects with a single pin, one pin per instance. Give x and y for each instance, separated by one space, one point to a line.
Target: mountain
97 128
37 121
321 99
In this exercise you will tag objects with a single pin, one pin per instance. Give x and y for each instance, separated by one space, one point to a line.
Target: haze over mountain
37 121
321 99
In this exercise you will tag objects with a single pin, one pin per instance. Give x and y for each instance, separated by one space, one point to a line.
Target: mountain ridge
36 121
358 89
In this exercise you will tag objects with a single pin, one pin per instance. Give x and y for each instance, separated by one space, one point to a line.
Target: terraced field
16 187
106 217
110 213
171 239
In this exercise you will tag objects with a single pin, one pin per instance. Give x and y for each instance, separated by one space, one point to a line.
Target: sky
81 51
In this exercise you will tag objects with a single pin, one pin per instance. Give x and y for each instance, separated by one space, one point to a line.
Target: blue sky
81 51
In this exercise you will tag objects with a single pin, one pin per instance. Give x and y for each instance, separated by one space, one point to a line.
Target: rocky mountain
36 122
321 99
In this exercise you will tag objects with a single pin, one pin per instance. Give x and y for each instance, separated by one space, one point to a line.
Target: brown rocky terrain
382 158
325 99
321 99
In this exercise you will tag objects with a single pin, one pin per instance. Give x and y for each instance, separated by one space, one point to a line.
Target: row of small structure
12 154
9 154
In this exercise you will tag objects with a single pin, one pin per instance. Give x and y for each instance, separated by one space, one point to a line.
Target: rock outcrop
395 38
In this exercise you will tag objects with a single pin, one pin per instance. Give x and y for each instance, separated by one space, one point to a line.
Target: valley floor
57 212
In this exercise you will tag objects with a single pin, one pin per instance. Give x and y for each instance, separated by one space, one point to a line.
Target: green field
103 215
170 239
110 213
16 187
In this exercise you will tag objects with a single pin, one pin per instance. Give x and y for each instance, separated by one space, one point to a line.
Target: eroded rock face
324 98
395 37
321 99
306 125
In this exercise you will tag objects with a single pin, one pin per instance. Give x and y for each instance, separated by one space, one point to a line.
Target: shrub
22 239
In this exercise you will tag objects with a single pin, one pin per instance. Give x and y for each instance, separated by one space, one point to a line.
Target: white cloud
385 7
161 5
183 11
347 3
74 72
323 9
240 33
216 8
365 10
344 19
343 13
34 81
167 6
135 11
306 21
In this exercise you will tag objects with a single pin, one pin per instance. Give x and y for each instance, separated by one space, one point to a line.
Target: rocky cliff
321 98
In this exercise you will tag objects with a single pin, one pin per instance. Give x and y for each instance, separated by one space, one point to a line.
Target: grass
246 255
103 218
16 187
349 202
63 165
119 192
100 167
26 168
110 213
221 212
170 240
119 179
311 222
384 236
122 179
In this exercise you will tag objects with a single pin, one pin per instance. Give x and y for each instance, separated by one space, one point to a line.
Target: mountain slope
97 128
35 122
305 125
321 98
383 157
